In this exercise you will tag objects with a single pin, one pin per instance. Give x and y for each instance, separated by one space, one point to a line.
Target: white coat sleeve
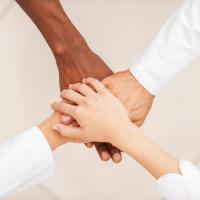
174 47
25 161
184 186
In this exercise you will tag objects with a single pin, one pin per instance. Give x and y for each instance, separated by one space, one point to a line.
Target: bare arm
73 56
151 156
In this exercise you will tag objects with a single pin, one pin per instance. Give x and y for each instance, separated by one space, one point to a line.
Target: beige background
118 31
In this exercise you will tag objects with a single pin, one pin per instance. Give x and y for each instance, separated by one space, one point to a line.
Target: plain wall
118 31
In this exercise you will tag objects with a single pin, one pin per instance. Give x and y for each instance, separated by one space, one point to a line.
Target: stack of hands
100 116
114 96
110 109
89 112
76 60
108 114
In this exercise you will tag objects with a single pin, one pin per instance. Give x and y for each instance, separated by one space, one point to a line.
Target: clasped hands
91 113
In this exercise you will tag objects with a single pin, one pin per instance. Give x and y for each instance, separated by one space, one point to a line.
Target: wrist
53 138
125 135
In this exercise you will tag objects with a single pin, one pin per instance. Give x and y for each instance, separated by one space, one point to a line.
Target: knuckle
63 92
81 87
94 80
60 106
91 79
84 103
77 85
105 81
77 111
87 101
66 92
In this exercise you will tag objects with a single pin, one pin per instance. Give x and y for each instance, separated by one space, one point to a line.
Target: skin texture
53 137
136 99
92 101
75 61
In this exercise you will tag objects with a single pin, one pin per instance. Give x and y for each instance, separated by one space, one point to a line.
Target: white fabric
181 187
24 161
175 46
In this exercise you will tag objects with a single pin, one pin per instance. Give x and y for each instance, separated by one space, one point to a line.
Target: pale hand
101 116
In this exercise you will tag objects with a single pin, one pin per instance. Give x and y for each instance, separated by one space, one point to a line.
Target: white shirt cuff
184 186
145 79
25 161
175 46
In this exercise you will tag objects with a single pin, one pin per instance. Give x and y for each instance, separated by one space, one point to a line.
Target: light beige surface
118 31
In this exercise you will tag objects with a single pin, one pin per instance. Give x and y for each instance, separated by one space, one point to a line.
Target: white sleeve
184 186
175 46
24 162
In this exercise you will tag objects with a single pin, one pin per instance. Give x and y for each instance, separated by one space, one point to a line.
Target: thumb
68 131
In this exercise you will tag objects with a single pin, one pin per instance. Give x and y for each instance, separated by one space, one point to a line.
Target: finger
89 145
102 151
115 153
82 89
75 124
95 84
66 119
72 96
68 131
64 108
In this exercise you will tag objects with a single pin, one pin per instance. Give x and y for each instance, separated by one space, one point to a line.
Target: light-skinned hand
98 112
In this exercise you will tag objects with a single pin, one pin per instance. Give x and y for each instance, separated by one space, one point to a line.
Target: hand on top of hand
101 116
136 99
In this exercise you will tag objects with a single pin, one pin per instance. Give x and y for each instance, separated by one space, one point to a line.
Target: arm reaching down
174 47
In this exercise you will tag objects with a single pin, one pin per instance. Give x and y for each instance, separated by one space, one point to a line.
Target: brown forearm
55 26
74 58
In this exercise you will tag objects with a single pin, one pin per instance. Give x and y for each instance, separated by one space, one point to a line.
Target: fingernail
117 157
105 156
66 118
